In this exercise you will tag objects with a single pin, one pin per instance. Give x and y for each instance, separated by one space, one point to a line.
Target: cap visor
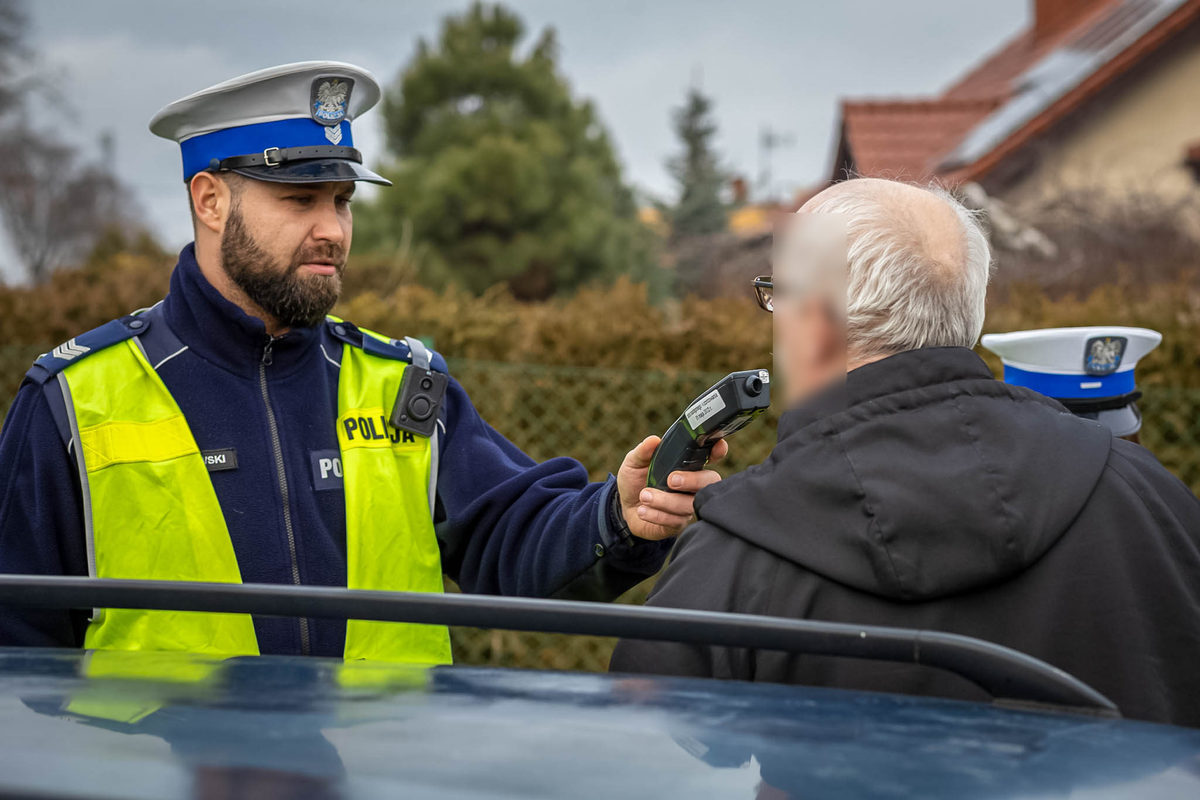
317 170
1122 421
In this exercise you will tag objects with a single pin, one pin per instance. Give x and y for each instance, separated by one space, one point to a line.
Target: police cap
1089 370
287 124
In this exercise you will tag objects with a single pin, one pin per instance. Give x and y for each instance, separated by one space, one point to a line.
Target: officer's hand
652 513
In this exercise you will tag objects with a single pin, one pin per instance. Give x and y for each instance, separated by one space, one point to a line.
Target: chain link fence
596 415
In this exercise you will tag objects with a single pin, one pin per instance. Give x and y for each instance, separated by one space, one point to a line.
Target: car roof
294 726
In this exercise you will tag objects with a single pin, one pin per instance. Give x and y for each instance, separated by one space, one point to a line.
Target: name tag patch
326 470
220 460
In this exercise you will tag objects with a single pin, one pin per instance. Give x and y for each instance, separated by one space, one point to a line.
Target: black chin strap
275 156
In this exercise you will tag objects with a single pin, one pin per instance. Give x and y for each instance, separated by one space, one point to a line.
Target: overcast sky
777 63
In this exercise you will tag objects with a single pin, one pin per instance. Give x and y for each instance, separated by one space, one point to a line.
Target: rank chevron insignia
69 350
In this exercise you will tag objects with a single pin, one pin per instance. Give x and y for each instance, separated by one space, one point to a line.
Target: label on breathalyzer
703 409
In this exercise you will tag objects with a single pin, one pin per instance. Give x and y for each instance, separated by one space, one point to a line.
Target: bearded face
294 297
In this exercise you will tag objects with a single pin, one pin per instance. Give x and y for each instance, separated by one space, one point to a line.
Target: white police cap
1089 370
288 124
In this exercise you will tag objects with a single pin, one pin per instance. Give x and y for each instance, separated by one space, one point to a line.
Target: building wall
1132 137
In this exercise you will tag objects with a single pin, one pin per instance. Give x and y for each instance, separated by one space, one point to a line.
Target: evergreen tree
699 209
502 175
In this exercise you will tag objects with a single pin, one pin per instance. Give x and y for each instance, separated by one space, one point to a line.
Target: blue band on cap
244 140
1071 387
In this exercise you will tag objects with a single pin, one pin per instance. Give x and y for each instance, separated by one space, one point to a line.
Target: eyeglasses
764 292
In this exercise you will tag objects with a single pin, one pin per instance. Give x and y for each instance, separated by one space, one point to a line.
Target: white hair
900 295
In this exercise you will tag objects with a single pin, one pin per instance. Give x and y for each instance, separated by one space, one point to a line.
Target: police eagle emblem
1102 355
330 96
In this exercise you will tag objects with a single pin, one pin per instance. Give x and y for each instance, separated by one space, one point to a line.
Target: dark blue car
274 727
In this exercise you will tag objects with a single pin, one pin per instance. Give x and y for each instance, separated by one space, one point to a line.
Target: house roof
903 139
1018 92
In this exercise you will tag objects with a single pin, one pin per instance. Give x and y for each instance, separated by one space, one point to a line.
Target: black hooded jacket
925 494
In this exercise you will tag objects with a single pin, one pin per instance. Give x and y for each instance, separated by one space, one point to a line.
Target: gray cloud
770 62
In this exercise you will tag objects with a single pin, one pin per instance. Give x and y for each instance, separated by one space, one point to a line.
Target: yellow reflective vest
151 512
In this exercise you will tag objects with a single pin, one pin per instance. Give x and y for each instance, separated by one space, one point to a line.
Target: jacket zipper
266 361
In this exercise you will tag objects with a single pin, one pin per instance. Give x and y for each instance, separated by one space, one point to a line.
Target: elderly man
909 488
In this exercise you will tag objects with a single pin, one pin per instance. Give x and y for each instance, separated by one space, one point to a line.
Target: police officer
1089 370
235 433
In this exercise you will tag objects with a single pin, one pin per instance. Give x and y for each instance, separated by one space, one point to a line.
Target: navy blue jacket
505 524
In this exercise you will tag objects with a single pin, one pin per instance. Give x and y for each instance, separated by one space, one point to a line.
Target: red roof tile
905 139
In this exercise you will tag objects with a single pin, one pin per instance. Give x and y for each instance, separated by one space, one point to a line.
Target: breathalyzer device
728 406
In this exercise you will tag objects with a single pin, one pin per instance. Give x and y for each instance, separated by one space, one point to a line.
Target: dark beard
295 300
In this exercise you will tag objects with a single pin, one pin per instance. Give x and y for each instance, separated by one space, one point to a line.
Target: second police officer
1089 370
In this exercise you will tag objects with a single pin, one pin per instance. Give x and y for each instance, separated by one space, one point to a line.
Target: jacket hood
920 476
